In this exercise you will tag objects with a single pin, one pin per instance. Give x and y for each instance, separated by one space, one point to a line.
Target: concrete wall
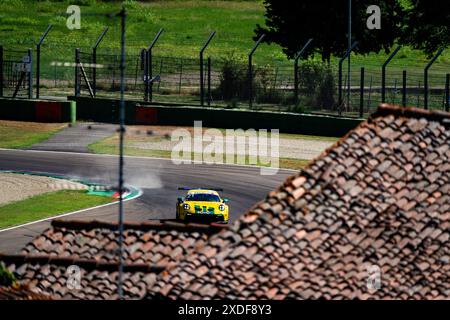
107 110
37 110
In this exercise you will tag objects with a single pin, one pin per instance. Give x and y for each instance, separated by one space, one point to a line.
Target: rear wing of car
187 189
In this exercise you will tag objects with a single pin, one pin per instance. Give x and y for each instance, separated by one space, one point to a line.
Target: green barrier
106 110
73 111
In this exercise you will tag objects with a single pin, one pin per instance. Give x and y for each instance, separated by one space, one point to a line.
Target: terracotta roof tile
154 241
149 248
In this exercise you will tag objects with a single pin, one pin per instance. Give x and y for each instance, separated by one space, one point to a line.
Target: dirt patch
16 187
32 126
158 138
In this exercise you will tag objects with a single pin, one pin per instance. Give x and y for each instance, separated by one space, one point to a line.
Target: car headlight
221 207
186 206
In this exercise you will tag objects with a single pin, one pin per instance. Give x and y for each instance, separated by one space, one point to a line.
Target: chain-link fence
227 81
15 73
402 87
98 74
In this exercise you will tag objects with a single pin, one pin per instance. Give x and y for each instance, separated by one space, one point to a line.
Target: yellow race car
202 205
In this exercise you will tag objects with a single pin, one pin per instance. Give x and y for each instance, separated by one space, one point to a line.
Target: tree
428 25
291 23
6 277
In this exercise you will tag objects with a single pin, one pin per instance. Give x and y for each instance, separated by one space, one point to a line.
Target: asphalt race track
158 178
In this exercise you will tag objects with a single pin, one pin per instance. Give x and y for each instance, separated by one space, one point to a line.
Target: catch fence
16 73
227 81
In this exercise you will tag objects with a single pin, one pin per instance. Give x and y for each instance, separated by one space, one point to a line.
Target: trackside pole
94 61
404 88
297 58
250 71
425 78
447 92
122 15
1 71
341 61
30 74
383 73
148 94
202 86
361 94
38 59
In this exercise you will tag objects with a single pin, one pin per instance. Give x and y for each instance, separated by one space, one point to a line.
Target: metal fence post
296 81
341 61
202 89
1 71
94 71
209 82
144 64
250 71
447 92
361 94
180 77
404 89
94 61
38 59
383 73
122 120
77 72
30 74
340 83
149 72
425 78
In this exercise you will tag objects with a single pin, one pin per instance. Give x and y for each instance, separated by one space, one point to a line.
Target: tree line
422 24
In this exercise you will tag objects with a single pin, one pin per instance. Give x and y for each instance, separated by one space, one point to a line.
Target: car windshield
202 197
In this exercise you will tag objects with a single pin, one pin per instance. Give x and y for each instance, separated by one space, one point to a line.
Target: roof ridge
88 264
143 226
385 109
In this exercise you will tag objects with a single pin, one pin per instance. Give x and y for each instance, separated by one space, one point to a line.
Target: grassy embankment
15 134
47 205
187 25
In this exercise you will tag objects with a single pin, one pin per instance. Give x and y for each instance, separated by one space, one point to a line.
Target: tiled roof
376 201
160 243
91 246
52 276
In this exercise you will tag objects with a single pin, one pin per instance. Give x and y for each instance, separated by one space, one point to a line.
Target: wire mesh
227 82
16 75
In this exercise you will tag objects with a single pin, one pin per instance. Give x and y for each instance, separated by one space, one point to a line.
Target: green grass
47 205
23 134
106 146
187 25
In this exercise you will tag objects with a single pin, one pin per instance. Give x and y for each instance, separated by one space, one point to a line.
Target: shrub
233 80
318 84
6 277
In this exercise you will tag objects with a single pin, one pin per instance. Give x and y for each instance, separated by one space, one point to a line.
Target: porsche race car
202 205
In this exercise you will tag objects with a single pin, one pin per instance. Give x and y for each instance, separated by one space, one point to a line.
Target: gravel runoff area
16 187
294 148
